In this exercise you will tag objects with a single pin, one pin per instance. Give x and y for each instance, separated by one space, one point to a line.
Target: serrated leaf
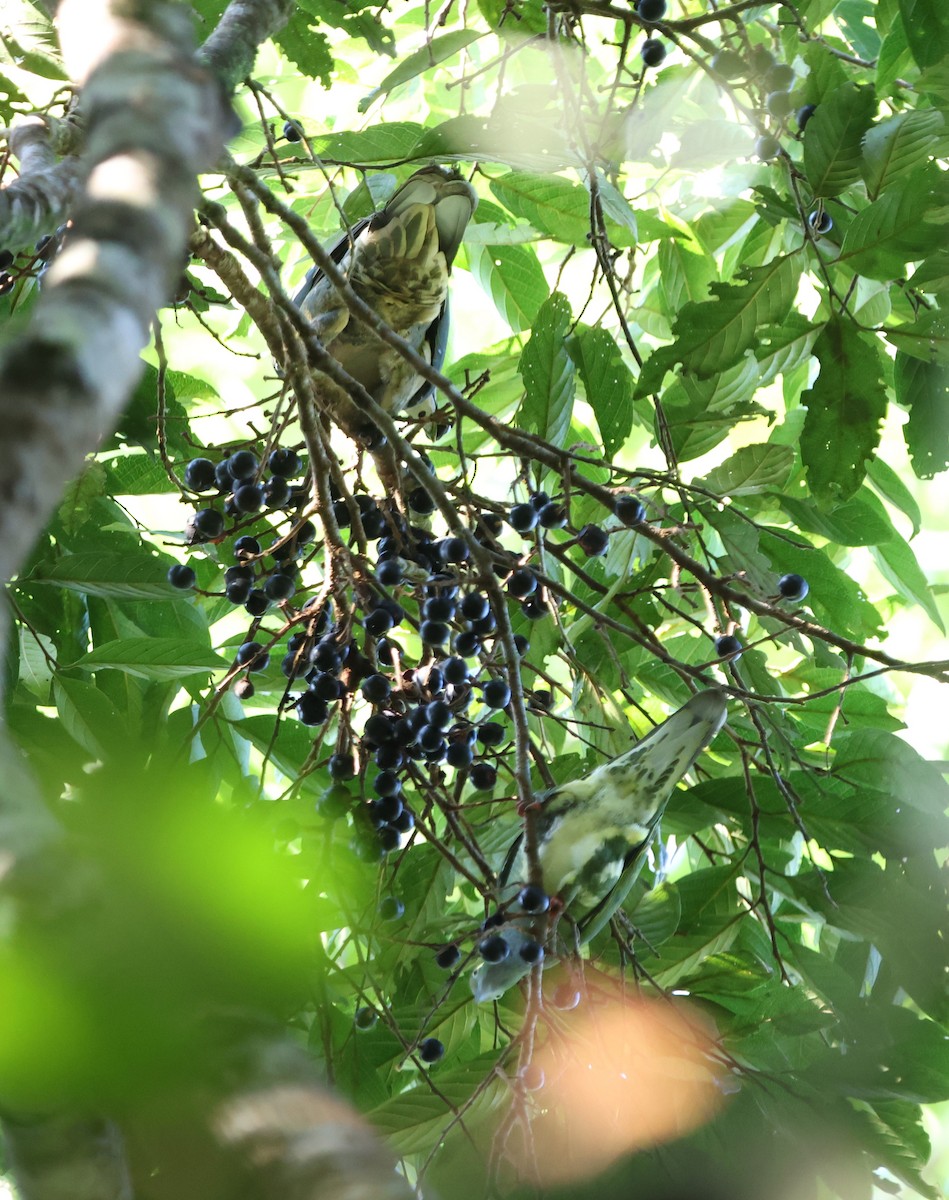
436 51
554 206
136 475
784 347
713 336
890 232
845 408
153 658
607 382
752 469
381 143
833 139
897 146
514 279
923 388
123 576
684 275
548 373
415 1120
306 47
835 598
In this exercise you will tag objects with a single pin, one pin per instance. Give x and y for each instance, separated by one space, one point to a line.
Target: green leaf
926 23
926 339
88 715
136 475
923 388
844 410
752 469
33 61
436 51
899 565
860 521
886 481
891 231
108 573
513 278
554 206
153 658
714 335
835 598
306 47
894 58
932 274
380 143
607 382
524 139
896 147
548 373
833 139
684 275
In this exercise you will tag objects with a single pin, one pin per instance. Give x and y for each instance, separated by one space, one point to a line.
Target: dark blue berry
386 783
253 656
793 587
279 587
285 463
434 633
593 540
376 689
249 498
257 603
199 475
447 957
630 509
533 899
341 766
483 776
431 1050
276 492
243 465
208 522
728 647
363 1018
389 573
494 949
182 576
497 694
522 518
248 546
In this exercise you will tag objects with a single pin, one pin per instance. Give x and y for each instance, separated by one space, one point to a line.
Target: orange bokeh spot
622 1073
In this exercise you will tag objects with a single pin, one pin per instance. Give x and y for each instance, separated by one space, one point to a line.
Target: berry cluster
261 577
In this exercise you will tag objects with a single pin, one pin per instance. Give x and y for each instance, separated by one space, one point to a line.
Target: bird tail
453 198
667 752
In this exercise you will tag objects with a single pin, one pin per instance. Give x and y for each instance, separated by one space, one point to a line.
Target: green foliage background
651 302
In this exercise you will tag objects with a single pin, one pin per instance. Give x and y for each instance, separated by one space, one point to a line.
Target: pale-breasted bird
593 833
398 261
